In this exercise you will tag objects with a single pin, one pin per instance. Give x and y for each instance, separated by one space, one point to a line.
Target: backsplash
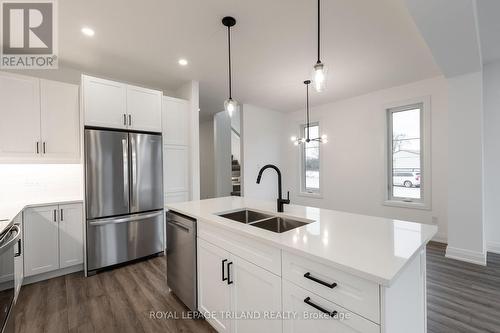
32 181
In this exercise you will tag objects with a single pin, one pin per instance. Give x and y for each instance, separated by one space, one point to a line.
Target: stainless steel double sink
263 221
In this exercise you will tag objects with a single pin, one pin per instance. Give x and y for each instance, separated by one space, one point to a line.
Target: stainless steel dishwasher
181 258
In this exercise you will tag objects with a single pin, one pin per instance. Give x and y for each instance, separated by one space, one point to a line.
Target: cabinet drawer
317 321
358 295
258 253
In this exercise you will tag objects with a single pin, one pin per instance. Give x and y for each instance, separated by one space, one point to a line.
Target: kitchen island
339 271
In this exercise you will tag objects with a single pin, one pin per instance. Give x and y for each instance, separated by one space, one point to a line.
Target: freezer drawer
116 240
181 258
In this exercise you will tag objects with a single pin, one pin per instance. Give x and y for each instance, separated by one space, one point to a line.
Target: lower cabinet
318 315
233 292
53 238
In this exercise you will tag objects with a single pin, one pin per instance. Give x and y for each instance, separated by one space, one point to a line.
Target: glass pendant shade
230 106
319 77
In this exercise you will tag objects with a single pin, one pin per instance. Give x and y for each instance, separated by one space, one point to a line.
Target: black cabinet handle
38 147
62 215
326 284
44 147
124 119
130 120
224 278
307 300
55 215
229 281
18 248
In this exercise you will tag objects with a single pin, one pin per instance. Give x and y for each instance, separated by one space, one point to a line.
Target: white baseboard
53 274
493 247
473 257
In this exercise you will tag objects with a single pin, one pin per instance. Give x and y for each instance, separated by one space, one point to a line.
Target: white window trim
426 172
302 192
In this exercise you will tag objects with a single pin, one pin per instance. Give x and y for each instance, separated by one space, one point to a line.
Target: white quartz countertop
373 248
9 210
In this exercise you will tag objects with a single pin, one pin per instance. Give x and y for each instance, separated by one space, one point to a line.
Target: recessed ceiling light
88 31
183 62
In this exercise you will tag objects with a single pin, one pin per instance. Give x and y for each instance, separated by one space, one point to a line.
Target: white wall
354 159
263 139
207 171
491 86
32 181
222 154
465 172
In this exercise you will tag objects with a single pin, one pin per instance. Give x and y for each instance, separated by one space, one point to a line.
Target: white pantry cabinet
40 120
53 238
176 168
175 121
113 104
230 284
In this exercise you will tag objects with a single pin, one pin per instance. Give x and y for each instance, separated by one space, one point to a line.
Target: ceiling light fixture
319 69
230 104
88 31
183 62
296 140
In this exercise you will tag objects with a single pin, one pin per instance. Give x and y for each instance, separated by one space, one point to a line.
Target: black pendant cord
307 112
229 45
319 29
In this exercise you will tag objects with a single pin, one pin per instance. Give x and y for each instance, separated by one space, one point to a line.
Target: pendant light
296 141
230 104
319 69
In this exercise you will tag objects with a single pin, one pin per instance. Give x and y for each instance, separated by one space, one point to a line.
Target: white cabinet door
104 102
255 291
176 168
70 235
176 197
144 109
19 117
214 294
60 121
175 119
310 318
41 240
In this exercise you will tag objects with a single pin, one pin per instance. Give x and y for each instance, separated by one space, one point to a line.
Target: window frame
425 153
302 181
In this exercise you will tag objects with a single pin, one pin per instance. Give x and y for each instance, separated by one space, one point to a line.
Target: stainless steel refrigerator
124 196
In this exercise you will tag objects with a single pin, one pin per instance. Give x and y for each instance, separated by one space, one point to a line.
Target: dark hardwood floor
118 300
461 297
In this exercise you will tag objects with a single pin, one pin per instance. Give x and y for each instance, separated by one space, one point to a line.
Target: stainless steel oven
10 247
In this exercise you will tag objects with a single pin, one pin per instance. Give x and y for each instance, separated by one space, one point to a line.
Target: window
406 151
310 175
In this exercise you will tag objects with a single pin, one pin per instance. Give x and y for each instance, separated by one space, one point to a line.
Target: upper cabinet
60 120
40 120
175 121
113 104
144 109
20 114
104 102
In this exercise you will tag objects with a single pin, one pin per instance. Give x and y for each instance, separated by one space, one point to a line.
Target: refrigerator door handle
133 173
131 218
125 170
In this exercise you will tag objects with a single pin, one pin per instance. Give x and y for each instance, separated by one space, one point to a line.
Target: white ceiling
367 45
